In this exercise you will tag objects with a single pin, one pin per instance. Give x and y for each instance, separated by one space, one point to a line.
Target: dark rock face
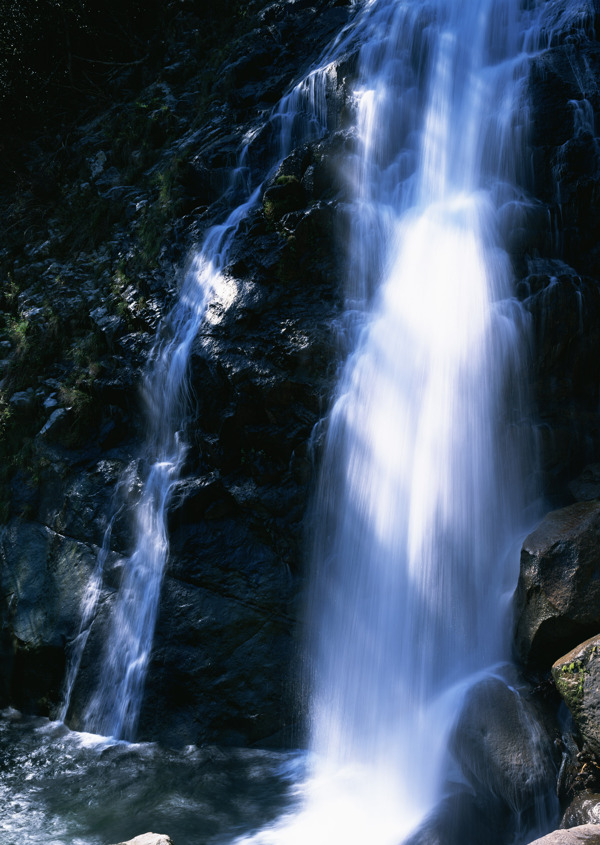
557 602
140 184
43 578
559 260
100 217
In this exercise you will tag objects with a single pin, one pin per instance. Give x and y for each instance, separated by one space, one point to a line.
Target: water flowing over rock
502 745
557 602
583 809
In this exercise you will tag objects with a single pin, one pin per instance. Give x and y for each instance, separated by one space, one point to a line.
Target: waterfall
425 484
423 489
421 494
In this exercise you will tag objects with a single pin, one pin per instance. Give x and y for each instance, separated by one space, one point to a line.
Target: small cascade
113 709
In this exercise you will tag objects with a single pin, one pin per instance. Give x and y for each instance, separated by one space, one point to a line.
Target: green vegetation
570 680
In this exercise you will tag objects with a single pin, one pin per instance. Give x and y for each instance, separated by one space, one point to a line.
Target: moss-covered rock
577 678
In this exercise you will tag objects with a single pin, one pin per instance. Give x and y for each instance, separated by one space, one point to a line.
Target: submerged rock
557 602
577 677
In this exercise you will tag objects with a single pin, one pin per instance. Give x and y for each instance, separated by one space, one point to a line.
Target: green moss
569 680
286 180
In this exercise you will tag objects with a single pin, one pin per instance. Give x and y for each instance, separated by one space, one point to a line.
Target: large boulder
501 747
585 833
557 602
463 817
505 754
577 677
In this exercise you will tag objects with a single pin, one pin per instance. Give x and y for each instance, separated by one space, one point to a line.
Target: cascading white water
423 483
423 490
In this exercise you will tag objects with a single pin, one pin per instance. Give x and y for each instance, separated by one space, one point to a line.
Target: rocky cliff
103 200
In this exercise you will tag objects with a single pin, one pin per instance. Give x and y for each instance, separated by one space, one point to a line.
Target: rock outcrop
557 602
587 833
101 209
577 678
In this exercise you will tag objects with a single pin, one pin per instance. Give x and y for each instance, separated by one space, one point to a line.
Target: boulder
587 485
585 833
502 748
577 678
463 817
557 601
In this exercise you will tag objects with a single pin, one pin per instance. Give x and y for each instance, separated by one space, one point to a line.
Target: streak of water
114 706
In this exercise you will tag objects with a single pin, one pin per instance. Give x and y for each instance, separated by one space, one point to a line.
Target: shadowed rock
501 747
557 602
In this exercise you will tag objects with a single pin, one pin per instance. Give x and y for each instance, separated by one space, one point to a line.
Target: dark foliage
53 46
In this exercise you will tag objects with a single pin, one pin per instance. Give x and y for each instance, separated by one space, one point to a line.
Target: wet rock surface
560 260
500 746
557 602
583 809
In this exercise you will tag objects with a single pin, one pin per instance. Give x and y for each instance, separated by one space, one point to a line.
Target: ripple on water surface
58 787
